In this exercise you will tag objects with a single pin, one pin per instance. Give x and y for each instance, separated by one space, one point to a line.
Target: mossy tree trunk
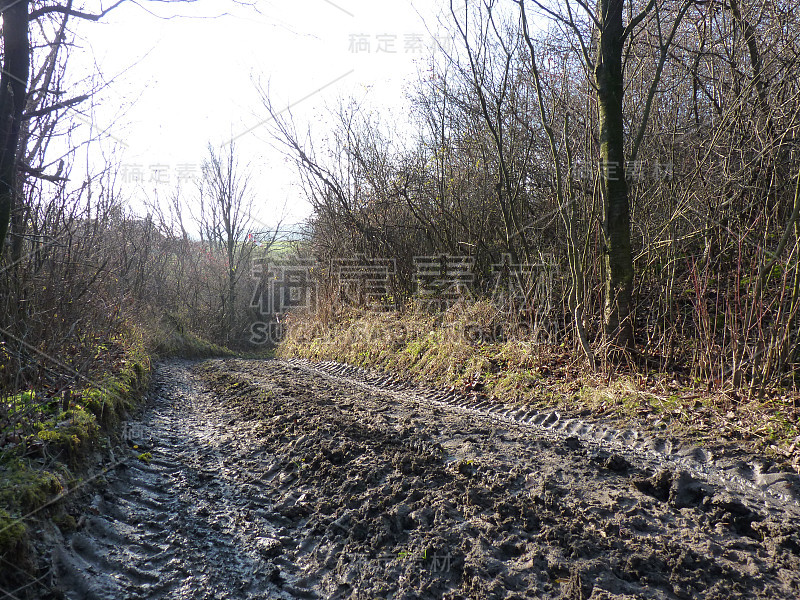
616 211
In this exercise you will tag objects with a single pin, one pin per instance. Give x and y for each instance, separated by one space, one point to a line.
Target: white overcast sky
183 82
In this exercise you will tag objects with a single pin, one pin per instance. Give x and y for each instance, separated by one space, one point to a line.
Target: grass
171 338
444 351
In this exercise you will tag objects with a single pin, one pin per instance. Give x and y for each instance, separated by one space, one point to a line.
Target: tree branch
65 10
53 107
638 19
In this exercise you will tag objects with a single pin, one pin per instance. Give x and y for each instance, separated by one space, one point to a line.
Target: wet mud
274 479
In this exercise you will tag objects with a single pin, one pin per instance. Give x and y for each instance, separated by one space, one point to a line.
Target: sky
188 78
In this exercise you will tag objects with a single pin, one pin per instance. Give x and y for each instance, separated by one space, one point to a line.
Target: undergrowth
47 433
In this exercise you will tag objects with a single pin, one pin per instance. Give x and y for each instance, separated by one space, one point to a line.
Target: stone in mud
268 547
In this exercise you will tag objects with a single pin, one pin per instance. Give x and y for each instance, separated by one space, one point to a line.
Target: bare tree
226 219
614 41
17 17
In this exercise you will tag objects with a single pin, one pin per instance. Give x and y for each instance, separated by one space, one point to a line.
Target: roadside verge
471 349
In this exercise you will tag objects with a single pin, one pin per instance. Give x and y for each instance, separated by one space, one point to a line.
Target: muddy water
269 479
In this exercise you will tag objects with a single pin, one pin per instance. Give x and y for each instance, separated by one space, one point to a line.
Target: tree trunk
231 288
13 90
616 212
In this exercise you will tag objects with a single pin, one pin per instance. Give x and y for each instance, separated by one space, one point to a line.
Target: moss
64 428
25 487
12 532
65 522
70 433
24 490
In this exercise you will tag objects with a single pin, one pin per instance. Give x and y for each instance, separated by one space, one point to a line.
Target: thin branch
65 10
637 19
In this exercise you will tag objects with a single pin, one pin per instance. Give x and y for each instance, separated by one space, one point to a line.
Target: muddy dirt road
270 479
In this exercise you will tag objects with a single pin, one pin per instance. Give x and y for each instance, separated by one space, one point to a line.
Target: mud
268 479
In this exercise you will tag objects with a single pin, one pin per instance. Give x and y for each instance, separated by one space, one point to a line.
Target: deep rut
186 522
268 479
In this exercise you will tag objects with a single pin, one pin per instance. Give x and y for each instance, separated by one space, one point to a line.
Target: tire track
752 479
180 524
